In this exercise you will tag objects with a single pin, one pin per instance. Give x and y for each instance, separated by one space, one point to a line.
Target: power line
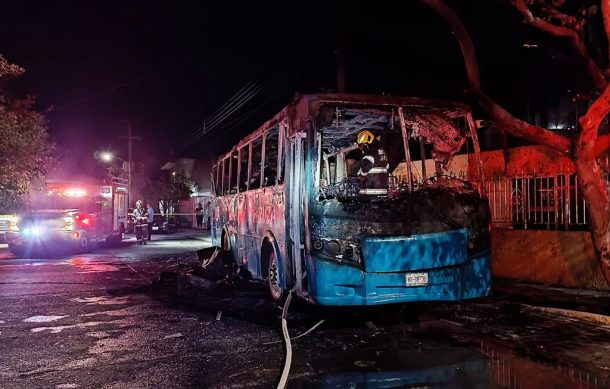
287 87
245 99
229 110
236 101
214 123
237 95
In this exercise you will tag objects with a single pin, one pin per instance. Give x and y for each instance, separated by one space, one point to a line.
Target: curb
579 315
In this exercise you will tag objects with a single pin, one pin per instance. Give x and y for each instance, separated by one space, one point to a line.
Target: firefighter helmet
365 137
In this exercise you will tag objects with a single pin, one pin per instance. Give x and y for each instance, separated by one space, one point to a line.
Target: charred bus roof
375 107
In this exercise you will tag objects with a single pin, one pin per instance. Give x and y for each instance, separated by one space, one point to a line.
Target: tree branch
7 69
597 75
501 117
519 128
591 121
602 144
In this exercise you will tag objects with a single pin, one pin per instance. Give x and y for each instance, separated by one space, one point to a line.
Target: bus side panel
221 216
477 277
253 238
215 220
271 219
241 226
279 230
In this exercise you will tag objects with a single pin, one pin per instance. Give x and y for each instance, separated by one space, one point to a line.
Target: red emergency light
75 192
83 219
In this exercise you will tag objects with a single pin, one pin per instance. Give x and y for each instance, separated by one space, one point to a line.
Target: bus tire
18 251
278 294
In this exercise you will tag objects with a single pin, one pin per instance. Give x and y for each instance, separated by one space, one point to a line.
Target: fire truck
70 216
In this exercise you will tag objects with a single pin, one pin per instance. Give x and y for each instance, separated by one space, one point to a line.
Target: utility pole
129 139
340 58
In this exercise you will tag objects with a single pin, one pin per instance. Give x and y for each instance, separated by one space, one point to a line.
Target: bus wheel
18 251
273 277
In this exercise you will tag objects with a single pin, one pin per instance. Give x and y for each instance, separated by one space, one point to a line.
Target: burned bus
294 204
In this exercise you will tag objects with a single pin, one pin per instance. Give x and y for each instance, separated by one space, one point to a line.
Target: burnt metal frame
294 133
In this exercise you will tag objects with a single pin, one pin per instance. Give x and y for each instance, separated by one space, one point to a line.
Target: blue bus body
285 208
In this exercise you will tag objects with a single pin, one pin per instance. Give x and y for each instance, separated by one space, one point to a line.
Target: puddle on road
42 319
102 300
509 370
490 366
58 329
90 264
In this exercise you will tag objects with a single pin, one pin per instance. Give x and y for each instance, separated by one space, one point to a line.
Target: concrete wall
561 258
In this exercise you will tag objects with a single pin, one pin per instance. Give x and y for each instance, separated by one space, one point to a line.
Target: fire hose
284 377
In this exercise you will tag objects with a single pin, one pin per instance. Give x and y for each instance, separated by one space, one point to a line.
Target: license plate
155 228
416 279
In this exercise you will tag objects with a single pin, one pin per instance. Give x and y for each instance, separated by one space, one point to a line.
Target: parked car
162 226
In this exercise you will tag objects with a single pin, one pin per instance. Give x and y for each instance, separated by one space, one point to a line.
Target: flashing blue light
33 231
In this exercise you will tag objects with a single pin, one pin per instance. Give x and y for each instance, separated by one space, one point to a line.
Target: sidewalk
183 233
584 304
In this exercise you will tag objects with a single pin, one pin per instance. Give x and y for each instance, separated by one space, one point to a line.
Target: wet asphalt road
102 321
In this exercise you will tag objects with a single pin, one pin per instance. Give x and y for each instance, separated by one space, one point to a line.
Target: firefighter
373 171
141 227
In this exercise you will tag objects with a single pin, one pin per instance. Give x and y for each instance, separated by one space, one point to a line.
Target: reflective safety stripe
373 191
378 170
369 158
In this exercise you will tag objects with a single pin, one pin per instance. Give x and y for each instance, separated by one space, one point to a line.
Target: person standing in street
208 215
141 220
150 219
199 216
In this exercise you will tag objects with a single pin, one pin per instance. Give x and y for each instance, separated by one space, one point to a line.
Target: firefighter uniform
141 227
374 171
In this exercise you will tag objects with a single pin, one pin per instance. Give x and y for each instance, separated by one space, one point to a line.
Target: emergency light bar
75 192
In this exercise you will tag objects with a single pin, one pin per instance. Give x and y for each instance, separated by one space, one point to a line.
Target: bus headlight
337 249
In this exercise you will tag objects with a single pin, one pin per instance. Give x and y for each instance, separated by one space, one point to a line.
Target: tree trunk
592 185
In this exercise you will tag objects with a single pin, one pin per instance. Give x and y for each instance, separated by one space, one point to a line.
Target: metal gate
549 201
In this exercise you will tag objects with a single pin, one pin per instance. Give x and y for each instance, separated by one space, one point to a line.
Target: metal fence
539 201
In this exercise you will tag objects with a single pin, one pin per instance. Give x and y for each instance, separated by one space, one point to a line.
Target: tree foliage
169 189
26 152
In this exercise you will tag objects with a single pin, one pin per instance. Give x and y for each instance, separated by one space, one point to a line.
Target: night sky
170 65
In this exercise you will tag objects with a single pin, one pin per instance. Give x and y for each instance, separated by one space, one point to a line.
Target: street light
107 156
